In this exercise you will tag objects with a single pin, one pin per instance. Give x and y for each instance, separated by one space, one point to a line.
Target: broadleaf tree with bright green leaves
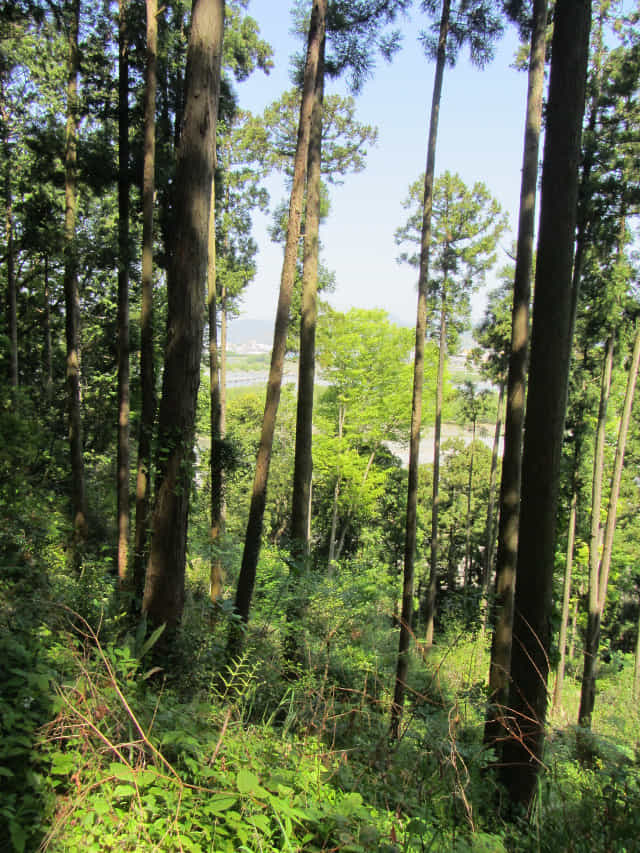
365 358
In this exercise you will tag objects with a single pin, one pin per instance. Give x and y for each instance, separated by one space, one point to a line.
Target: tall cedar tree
303 465
123 295
215 412
462 27
71 295
164 587
509 502
351 27
147 380
246 579
467 224
546 401
406 616
230 229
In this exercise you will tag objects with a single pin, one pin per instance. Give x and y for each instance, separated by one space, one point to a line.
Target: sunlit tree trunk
253 538
223 373
147 380
574 624
546 401
71 296
510 484
217 464
303 461
123 295
566 600
186 280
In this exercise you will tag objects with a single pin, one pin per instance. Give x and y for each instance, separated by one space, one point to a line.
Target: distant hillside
244 330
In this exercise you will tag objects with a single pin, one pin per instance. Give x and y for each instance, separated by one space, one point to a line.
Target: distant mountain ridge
244 330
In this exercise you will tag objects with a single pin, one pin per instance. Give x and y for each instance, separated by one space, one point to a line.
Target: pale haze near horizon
480 137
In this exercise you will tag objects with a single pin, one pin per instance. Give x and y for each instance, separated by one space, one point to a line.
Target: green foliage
466 226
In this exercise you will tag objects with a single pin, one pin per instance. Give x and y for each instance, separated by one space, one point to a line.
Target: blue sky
480 137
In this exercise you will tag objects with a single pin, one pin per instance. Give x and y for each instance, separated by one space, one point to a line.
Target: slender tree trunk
217 466
253 536
490 528
123 295
48 350
71 296
334 524
336 495
574 624
467 543
164 586
594 613
451 555
566 600
406 618
303 458
616 479
303 461
587 696
223 371
546 403
147 379
510 484
430 608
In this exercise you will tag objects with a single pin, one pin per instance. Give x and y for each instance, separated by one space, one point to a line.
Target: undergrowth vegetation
101 748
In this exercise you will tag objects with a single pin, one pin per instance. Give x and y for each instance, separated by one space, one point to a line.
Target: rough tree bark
546 402
217 463
164 586
123 295
71 295
510 484
147 380
303 460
